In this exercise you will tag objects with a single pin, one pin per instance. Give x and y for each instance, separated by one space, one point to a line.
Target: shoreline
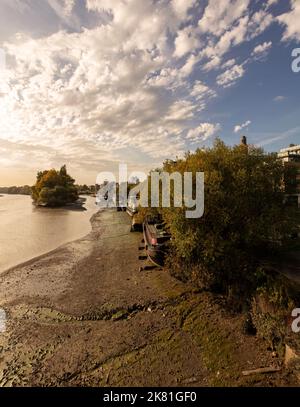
51 241
86 315
47 253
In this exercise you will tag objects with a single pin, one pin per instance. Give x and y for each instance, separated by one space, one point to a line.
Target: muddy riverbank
85 315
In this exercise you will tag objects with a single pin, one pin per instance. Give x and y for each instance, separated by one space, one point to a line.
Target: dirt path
85 315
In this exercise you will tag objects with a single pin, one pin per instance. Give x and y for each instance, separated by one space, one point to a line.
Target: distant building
244 141
291 158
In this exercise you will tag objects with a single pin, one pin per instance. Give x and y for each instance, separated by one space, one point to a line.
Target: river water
27 232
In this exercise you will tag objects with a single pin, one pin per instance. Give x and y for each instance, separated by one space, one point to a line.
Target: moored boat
157 239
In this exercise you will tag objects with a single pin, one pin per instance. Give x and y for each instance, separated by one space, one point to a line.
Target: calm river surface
27 231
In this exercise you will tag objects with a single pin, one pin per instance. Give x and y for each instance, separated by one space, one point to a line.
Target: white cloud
189 65
132 84
90 108
229 63
261 51
221 14
244 27
203 132
181 110
259 22
186 41
202 91
62 7
291 21
229 77
181 7
234 36
213 63
262 48
90 94
240 127
279 98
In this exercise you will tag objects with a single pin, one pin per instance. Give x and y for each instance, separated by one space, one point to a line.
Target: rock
191 380
291 356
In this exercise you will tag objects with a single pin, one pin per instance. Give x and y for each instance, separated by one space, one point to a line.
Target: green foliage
86 189
54 188
271 306
244 217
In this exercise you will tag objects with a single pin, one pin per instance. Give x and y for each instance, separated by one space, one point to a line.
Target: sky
95 83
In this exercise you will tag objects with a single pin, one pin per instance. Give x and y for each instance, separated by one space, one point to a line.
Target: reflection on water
27 231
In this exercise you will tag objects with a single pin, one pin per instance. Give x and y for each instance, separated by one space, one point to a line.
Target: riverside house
291 158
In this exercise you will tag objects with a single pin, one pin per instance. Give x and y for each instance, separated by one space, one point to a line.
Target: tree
244 217
24 190
54 188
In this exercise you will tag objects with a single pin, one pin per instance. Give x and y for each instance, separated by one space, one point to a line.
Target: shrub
244 218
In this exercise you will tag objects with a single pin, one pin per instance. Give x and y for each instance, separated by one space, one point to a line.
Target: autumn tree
54 188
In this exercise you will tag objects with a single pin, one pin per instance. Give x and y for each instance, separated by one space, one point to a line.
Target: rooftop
290 152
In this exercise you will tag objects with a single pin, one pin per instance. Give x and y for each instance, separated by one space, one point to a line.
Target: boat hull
155 254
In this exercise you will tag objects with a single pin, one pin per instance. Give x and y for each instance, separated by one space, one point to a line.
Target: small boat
132 210
132 207
157 239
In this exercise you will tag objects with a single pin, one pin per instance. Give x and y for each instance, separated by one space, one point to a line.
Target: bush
271 308
244 218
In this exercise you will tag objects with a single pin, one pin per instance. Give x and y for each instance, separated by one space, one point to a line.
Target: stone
291 356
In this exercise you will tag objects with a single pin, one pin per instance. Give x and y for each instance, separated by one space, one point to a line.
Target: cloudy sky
92 83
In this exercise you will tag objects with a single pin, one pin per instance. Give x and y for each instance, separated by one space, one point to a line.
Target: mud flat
85 315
